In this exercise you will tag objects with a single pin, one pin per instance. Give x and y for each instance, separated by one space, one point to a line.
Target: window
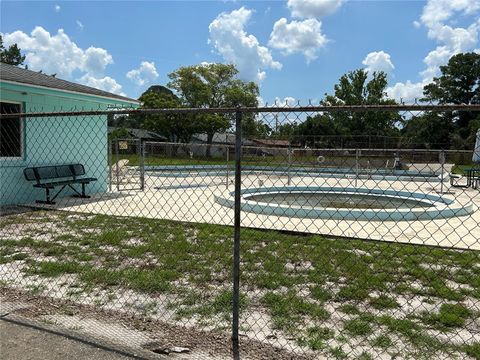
10 132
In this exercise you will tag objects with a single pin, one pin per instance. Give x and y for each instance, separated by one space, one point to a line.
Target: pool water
338 200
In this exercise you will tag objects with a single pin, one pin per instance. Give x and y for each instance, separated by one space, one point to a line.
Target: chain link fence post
142 164
117 165
236 244
442 172
289 176
110 168
357 154
228 167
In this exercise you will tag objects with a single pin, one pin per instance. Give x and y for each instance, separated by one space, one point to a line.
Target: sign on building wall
123 145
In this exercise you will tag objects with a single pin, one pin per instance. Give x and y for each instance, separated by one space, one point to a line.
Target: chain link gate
126 163
281 247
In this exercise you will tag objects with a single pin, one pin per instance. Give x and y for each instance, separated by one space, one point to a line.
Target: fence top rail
232 110
298 148
338 149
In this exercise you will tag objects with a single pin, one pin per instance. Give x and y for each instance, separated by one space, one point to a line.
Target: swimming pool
179 171
346 203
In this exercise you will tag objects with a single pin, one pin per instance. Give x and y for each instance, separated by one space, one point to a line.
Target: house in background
139 134
42 141
125 141
220 143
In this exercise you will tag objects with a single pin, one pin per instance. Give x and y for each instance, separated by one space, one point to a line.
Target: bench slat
40 173
65 182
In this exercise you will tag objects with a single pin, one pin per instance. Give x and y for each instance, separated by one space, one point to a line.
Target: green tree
119 133
314 128
176 127
429 131
11 55
214 86
353 88
459 83
286 131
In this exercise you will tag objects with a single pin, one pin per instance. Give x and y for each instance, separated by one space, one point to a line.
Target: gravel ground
201 344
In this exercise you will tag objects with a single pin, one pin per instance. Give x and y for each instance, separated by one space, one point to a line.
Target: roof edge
118 99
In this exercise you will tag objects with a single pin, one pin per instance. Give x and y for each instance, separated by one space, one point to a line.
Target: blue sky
294 49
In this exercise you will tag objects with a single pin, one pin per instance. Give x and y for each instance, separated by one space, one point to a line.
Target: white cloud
451 41
96 60
298 37
105 83
313 8
408 92
58 53
287 101
456 38
235 45
438 11
433 60
79 25
145 74
378 61
57 8
260 101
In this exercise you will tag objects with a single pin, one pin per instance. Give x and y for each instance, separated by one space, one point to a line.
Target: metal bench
64 176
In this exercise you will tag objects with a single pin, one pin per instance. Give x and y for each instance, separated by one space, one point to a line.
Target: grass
288 310
382 341
449 316
384 302
473 350
272 161
338 353
362 325
460 169
349 309
365 356
190 264
220 305
315 337
152 160
321 294
53 268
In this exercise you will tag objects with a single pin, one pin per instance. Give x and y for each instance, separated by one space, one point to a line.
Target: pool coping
442 208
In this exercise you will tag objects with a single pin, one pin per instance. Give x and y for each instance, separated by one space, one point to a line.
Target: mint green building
42 141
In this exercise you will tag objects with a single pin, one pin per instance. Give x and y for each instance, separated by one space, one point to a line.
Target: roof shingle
28 77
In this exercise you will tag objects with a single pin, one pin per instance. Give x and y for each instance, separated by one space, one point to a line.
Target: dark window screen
10 131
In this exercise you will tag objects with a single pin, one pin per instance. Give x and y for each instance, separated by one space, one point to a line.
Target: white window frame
22 134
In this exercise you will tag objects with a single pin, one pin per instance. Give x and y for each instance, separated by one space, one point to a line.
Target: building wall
55 140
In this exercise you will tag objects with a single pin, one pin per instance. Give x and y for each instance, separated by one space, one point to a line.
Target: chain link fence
273 247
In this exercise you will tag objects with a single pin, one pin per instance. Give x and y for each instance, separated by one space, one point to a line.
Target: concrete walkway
24 340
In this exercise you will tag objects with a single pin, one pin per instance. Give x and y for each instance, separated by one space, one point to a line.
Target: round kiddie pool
340 203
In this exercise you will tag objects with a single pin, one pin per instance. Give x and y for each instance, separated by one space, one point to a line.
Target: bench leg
82 195
48 200
454 183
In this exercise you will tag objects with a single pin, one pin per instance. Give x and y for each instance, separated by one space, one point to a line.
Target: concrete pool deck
191 199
